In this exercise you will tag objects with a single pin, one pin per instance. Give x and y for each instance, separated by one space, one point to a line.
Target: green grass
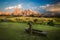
15 31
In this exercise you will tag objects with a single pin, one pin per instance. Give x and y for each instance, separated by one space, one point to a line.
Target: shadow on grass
13 31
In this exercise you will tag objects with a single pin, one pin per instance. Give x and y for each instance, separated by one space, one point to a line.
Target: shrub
17 19
35 20
50 22
1 20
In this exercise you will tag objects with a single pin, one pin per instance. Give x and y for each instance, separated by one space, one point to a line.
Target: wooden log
37 32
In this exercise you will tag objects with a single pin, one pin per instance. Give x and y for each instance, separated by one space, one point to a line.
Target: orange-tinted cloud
54 8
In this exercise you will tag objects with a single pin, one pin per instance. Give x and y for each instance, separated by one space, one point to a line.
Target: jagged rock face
18 11
5 13
24 12
51 14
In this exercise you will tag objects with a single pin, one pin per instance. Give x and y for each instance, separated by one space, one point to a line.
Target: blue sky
25 4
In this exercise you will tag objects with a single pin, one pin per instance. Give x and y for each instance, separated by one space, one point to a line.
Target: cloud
54 8
19 6
44 6
13 7
51 7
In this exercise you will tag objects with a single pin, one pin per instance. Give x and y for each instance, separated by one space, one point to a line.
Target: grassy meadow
14 30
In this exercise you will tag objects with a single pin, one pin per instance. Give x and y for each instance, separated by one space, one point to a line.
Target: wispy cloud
51 7
55 8
45 6
13 7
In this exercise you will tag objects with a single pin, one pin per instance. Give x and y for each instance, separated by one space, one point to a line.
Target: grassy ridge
15 31
26 19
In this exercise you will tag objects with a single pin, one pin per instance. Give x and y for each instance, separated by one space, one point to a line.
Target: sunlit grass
15 31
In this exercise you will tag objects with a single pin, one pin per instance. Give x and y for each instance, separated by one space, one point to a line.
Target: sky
36 5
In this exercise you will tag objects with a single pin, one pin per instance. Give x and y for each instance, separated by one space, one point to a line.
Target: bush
1 20
50 22
17 19
35 20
